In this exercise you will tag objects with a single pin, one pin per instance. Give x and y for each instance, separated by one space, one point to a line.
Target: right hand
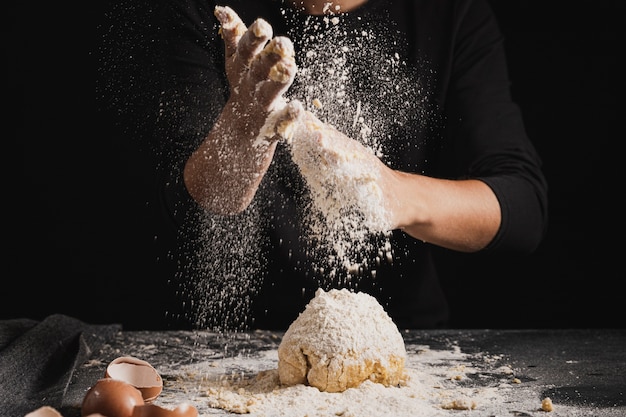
225 171
259 68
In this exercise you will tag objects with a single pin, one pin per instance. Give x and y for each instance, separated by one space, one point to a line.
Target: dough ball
341 339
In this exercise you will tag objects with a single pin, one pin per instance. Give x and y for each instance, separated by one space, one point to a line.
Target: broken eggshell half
138 373
45 411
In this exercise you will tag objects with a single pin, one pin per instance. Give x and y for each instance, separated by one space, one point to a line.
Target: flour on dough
341 339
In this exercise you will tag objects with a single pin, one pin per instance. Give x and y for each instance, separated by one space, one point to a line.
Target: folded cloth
38 359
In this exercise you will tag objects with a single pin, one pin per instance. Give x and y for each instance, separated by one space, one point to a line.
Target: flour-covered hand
344 176
259 68
224 172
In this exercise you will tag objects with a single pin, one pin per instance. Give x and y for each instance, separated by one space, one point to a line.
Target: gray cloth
38 359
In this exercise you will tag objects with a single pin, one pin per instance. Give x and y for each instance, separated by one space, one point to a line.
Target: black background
82 235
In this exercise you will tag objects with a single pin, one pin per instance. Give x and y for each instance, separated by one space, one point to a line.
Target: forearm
224 172
462 215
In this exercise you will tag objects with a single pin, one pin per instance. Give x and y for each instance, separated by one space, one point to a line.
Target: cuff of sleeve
523 222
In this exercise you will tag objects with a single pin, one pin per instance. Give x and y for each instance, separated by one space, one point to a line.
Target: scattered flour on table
342 357
433 388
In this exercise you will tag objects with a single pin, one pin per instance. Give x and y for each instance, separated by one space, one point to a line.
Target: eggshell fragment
45 411
111 397
138 373
152 410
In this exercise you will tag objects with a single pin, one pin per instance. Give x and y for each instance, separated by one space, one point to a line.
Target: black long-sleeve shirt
425 82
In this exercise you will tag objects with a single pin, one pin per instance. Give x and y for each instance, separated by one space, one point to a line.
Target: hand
345 178
223 174
259 69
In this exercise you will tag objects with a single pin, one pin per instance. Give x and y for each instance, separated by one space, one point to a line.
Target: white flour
435 383
341 339
355 328
347 201
341 217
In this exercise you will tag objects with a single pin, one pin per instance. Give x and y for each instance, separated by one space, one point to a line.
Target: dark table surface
583 372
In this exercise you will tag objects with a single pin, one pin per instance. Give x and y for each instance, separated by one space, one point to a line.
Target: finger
282 122
253 41
288 119
232 28
280 78
274 68
279 48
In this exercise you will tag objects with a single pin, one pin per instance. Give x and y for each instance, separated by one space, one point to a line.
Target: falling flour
349 80
343 178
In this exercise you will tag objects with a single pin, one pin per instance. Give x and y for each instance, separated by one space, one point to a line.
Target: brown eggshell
111 397
138 373
45 411
152 410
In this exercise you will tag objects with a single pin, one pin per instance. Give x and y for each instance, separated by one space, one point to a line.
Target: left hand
341 172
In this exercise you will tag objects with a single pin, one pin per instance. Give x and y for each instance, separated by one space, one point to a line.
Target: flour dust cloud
352 77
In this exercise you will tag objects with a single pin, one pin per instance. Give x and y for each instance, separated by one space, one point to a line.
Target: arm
224 172
492 188
463 215
487 190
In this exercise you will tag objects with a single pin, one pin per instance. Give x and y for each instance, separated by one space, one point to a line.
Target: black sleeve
193 93
486 127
